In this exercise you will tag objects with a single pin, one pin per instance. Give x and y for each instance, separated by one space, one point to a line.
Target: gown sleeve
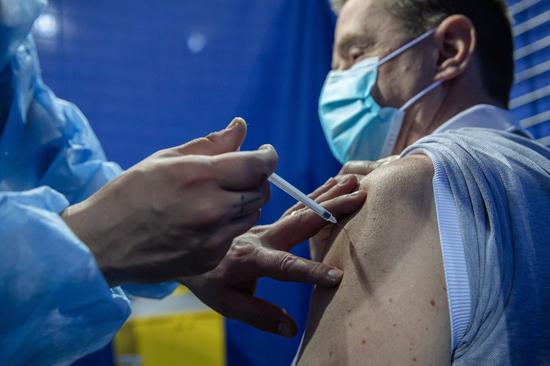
76 163
56 306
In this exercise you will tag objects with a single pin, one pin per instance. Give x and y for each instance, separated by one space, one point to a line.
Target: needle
301 197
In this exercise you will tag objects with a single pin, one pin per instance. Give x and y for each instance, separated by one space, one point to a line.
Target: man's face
366 29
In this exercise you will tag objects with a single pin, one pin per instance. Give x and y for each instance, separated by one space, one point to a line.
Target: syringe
299 196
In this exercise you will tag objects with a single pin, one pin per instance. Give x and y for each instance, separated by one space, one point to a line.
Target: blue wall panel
531 93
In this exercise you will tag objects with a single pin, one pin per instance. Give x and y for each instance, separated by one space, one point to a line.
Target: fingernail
335 274
329 181
285 329
388 160
344 182
266 147
237 121
354 194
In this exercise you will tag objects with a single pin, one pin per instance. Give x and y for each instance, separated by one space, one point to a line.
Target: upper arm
391 307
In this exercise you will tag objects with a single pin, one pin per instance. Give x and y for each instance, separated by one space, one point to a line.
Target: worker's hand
263 252
361 168
335 187
177 212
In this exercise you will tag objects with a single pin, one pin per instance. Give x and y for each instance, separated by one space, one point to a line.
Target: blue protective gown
55 304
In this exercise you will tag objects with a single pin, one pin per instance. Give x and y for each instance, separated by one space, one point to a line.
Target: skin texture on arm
391 307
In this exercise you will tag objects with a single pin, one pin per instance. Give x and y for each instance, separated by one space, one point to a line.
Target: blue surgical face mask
16 20
355 126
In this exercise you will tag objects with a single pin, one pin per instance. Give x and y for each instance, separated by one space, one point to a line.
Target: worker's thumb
227 140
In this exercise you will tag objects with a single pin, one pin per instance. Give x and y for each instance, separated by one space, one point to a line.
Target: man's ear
456 38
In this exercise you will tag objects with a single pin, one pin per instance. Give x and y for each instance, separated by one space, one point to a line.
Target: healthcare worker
66 243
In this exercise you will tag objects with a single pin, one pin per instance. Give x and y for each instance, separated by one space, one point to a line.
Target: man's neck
416 127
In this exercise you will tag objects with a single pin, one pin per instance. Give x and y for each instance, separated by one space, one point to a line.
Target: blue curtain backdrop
154 74
531 94
149 75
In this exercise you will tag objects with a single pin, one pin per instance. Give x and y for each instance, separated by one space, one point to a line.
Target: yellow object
188 336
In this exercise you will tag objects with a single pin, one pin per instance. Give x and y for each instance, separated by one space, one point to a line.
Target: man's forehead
365 18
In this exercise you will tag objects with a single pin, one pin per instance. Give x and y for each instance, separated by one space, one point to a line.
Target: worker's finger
239 204
318 192
305 223
364 167
249 170
224 141
284 266
389 159
259 314
338 186
331 182
239 226
346 184
220 241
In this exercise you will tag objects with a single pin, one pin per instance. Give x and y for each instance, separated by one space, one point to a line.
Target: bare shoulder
391 307
408 178
399 207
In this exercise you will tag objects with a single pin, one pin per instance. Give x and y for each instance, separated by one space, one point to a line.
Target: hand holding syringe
301 197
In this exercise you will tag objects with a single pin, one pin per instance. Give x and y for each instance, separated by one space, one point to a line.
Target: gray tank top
492 191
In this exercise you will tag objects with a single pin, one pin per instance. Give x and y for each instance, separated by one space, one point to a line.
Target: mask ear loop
420 95
405 47
399 51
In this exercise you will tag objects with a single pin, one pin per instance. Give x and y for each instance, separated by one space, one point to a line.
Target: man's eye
355 53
